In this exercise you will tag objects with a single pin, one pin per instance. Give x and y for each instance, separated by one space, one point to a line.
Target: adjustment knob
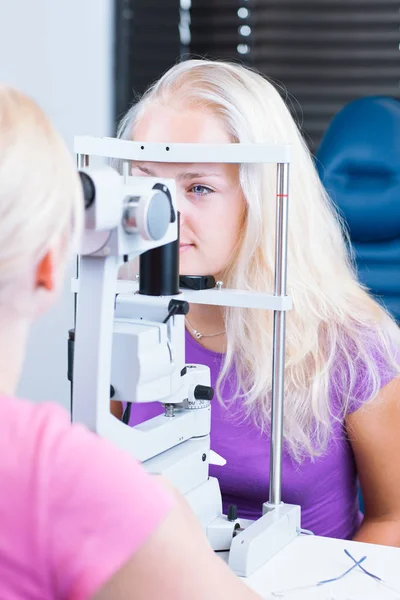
158 215
203 392
147 215
232 512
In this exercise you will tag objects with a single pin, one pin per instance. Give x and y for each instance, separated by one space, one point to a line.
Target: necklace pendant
197 334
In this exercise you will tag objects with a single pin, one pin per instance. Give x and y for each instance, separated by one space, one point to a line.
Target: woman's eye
201 190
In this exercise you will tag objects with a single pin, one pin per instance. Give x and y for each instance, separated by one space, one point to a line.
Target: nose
182 205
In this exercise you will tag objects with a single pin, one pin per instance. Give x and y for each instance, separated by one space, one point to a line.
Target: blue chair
359 163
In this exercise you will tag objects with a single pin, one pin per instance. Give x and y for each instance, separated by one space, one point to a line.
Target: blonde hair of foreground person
333 318
40 195
40 208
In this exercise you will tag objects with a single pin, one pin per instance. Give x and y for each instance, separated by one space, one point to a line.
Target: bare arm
116 409
374 435
176 563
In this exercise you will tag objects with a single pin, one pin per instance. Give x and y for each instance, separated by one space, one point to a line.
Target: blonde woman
65 531
342 411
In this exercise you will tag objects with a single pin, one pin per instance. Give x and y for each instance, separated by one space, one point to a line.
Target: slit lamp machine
133 338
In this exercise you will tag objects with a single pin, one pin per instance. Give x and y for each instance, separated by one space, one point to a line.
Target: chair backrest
359 163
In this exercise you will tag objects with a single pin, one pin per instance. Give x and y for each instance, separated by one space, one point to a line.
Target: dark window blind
324 53
327 53
147 43
220 29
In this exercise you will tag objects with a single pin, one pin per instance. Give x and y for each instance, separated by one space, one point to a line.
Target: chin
193 271
188 266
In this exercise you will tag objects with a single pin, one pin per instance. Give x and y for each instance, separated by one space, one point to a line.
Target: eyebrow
187 175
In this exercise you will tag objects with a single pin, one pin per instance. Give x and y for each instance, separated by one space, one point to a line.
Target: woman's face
209 196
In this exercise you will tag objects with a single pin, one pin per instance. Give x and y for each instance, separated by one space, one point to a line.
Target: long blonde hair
40 192
334 321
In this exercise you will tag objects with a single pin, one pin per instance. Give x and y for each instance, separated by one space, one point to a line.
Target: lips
185 247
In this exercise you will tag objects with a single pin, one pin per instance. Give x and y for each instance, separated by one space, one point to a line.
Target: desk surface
310 559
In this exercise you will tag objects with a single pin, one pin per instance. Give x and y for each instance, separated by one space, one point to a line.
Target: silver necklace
198 335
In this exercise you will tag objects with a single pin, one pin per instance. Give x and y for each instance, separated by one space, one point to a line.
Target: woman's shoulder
67 483
26 421
42 438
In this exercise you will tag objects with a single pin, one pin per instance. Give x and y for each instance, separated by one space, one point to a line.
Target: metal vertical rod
82 161
278 357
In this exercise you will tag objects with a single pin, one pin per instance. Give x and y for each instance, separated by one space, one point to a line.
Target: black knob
232 512
203 392
178 307
88 189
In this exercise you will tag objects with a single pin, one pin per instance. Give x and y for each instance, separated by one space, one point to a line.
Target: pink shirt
73 508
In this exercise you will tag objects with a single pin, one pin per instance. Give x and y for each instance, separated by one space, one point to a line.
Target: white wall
59 52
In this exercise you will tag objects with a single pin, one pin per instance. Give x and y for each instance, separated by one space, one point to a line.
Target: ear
45 272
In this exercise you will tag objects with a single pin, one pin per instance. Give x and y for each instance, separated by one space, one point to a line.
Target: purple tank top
325 488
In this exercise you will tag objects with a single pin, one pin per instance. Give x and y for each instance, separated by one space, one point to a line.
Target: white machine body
130 341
